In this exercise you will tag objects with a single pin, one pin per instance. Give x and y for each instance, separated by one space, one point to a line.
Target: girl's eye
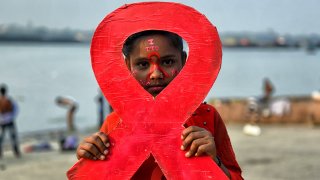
143 64
168 62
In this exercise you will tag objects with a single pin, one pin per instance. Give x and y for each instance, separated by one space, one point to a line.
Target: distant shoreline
88 43
43 42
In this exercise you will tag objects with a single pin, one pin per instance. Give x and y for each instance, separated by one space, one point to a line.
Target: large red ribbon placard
152 126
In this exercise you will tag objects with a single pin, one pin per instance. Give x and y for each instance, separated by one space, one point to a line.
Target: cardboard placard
153 126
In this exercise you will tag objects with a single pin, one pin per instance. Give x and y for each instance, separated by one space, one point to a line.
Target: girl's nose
155 70
156 73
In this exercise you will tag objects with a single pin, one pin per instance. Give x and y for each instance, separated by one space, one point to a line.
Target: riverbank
47 163
285 152
303 109
286 149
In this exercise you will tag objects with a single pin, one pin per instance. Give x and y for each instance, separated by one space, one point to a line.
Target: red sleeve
110 123
224 148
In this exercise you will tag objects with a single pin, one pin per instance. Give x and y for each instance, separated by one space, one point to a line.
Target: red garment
205 116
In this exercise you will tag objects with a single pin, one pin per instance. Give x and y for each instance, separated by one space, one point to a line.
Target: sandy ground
279 153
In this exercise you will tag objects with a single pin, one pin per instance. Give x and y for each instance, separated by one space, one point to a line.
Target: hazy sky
283 16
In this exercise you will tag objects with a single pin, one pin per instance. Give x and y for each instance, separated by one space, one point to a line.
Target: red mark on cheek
174 72
134 72
144 83
165 74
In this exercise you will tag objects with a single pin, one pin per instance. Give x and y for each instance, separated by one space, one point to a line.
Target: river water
37 73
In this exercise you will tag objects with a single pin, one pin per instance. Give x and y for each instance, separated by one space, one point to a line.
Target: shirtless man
72 106
8 112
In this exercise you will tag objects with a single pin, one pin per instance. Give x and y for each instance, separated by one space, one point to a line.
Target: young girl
155 58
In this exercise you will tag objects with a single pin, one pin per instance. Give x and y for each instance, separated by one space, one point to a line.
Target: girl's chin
154 91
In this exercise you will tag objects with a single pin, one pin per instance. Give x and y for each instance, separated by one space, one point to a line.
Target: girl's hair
128 46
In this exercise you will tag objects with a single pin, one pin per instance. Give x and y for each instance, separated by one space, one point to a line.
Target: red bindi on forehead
153 54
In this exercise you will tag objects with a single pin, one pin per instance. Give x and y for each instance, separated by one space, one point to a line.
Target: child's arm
201 142
94 147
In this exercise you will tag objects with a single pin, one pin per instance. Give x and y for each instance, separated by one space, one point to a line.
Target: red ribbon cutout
153 125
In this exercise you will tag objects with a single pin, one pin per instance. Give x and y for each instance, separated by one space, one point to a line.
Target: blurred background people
268 88
101 108
264 101
265 106
258 108
104 108
253 115
71 104
8 114
68 143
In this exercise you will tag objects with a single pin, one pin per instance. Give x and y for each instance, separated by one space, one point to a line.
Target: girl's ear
127 61
183 57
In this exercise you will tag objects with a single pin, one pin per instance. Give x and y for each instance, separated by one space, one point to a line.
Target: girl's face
154 62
